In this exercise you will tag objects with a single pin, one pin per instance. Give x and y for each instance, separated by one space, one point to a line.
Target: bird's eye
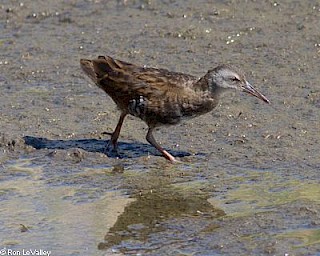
235 79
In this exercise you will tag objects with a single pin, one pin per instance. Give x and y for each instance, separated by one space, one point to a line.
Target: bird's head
226 77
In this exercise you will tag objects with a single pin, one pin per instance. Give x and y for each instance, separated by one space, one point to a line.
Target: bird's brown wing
107 69
127 79
148 93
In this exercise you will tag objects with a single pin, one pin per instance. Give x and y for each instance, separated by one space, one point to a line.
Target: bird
161 97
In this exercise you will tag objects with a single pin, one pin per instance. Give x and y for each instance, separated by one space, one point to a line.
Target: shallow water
248 183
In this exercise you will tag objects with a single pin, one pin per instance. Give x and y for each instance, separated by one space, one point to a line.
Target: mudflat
248 183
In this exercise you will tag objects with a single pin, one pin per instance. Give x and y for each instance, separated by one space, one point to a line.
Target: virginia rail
161 97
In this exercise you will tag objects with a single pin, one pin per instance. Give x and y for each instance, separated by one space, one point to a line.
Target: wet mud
248 181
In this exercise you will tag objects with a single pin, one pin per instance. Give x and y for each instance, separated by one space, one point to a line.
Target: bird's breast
158 112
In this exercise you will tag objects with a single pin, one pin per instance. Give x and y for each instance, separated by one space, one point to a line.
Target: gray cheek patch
137 107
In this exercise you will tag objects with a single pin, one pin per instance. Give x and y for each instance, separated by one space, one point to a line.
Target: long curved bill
248 88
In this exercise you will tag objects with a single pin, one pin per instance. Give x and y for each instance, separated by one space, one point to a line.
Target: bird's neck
204 86
217 92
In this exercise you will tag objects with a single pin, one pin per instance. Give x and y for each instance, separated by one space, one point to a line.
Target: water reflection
145 216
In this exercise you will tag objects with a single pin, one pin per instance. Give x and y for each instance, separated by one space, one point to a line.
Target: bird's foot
170 157
175 161
111 149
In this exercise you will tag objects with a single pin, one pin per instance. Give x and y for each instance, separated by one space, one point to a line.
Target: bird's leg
115 135
153 142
